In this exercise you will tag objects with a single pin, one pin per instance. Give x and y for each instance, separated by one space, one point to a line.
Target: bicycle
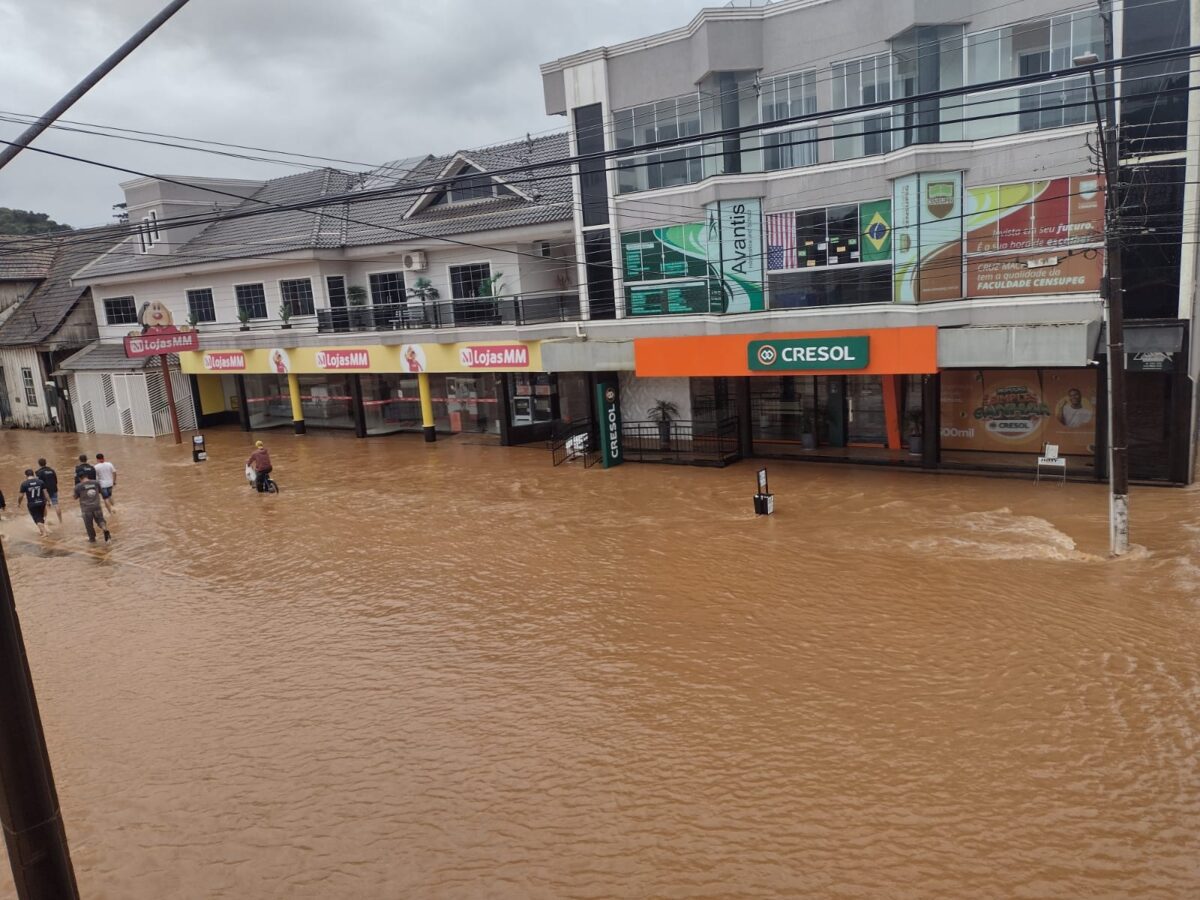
269 486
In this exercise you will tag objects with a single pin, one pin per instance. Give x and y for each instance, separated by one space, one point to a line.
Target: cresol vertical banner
734 235
609 413
927 237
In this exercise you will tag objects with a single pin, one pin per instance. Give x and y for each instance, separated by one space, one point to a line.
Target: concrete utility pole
1118 459
48 119
33 825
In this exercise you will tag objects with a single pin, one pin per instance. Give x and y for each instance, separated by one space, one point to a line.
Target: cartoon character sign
280 364
414 357
156 318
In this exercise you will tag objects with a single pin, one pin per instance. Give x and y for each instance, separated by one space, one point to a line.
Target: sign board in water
609 413
762 481
199 454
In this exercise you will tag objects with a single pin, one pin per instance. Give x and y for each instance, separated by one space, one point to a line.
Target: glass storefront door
268 403
465 403
866 422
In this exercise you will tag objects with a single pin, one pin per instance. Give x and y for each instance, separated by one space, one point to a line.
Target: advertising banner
940 231
610 425
905 238
515 356
1059 223
884 351
1019 410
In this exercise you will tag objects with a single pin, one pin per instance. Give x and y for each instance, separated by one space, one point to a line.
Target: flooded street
454 671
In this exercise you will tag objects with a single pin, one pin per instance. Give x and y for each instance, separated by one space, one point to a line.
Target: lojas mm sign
343 359
610 425
491 356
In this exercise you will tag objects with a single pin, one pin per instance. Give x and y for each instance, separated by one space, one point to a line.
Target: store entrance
866 422
1148 401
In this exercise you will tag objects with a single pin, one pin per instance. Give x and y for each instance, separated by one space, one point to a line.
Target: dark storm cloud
366 80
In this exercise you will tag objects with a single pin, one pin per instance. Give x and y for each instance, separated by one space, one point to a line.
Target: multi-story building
875 232
411 298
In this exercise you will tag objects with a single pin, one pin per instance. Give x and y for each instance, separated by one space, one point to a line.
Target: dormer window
471 184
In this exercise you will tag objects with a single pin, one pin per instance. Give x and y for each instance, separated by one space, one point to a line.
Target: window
1154 96
200 305
1030 48
251 300
387 287
661 121
297 293
473 280
335 287
784 97
30 387
153 225
858 83
148 231
593 183
120 311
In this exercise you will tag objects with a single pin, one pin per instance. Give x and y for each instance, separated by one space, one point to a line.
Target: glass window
200 305
386 287
120 311
327 401
662 121
391 403
297 293
831 286
532 397
30 387
1154 96
251 300
335 287
267 401
471 280
465 403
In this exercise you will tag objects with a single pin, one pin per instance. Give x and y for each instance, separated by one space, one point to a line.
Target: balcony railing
518 309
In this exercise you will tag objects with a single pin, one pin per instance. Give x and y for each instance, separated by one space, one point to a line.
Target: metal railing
698 443
569 441
518 309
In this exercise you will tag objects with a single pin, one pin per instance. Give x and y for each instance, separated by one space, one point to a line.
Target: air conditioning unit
542 248
413 262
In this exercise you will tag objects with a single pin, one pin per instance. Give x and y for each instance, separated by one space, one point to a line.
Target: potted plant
244 318
808 430
357 295
285 314
916 426
426 294
662 412
192 320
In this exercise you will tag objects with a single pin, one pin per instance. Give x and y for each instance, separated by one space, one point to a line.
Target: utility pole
1106 125
27 136
29 813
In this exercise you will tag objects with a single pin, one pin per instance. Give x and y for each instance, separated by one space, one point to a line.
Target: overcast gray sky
364 80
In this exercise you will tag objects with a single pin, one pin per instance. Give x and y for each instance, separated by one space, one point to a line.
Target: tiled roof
37 318
374 221
25 257
100 357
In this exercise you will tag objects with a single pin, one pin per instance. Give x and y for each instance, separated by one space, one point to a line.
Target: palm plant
662 412
244 317
285 314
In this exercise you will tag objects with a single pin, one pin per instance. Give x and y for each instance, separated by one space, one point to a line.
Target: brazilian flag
875 222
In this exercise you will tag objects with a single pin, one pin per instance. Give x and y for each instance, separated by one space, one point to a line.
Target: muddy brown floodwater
454 671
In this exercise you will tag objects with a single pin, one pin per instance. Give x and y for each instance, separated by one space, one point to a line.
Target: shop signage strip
515 356
610 425
879 351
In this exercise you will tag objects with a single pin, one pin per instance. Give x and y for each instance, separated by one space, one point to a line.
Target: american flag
781 241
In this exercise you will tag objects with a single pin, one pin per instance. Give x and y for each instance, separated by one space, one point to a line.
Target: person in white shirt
1074 414
106 478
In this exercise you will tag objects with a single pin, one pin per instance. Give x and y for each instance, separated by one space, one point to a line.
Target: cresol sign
343 359
610 425
809 354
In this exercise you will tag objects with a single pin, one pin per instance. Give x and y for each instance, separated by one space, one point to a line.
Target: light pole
1118 460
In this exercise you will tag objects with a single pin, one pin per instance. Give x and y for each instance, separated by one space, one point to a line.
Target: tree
22 221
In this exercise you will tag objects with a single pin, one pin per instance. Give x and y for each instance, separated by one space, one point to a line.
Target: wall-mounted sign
225 362
1150 361
609 413
927 233
671 298
883 351
802 354
490 356
343 359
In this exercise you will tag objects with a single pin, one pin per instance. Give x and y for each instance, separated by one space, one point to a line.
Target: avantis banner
1019 410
